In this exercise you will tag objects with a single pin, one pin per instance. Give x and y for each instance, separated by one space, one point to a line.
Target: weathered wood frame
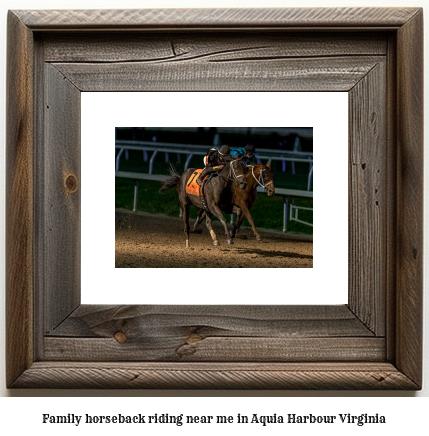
373 342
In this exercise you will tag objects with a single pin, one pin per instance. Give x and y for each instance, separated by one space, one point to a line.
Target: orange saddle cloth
192 186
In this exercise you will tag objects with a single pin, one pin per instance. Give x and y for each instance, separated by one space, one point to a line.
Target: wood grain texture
368 203
289 18
61 186
224 47
330 74
19 200
409 278
99 321
110 375
192 347
213 333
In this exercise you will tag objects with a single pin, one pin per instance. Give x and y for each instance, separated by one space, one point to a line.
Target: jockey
247 153
215 158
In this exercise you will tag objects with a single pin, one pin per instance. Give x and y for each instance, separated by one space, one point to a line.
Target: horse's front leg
237 223
218 214
246 212
210 228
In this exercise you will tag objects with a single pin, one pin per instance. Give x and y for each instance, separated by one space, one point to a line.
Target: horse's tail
170 182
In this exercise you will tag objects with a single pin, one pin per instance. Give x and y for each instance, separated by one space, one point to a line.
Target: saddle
192 187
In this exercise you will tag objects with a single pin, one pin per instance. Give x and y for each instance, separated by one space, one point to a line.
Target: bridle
261 182
234 177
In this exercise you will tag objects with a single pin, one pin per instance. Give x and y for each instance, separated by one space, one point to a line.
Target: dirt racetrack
143 240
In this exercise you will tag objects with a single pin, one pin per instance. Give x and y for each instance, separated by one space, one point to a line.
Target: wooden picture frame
373 342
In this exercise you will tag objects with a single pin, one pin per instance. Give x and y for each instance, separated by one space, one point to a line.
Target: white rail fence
190 150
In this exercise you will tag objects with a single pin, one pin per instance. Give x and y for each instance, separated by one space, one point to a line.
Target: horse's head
267 177
237 172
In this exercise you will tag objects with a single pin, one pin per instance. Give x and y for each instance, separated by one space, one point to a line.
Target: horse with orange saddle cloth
207 197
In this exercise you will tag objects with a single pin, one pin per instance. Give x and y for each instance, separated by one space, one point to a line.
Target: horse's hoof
229 241
258 238
215 242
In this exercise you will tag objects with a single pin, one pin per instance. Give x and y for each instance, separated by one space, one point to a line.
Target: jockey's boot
201 176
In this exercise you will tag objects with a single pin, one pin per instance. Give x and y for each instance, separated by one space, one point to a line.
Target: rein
231 167
261 177
234 177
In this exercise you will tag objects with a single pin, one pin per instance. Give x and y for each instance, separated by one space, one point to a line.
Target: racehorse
213 189
242 200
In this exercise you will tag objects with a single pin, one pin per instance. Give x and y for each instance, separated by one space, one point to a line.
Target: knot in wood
71 183
120 337
193 338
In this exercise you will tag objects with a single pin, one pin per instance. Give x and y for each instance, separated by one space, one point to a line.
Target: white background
405 414
326 112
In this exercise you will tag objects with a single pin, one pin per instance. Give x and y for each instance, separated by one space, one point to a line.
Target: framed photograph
373 341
